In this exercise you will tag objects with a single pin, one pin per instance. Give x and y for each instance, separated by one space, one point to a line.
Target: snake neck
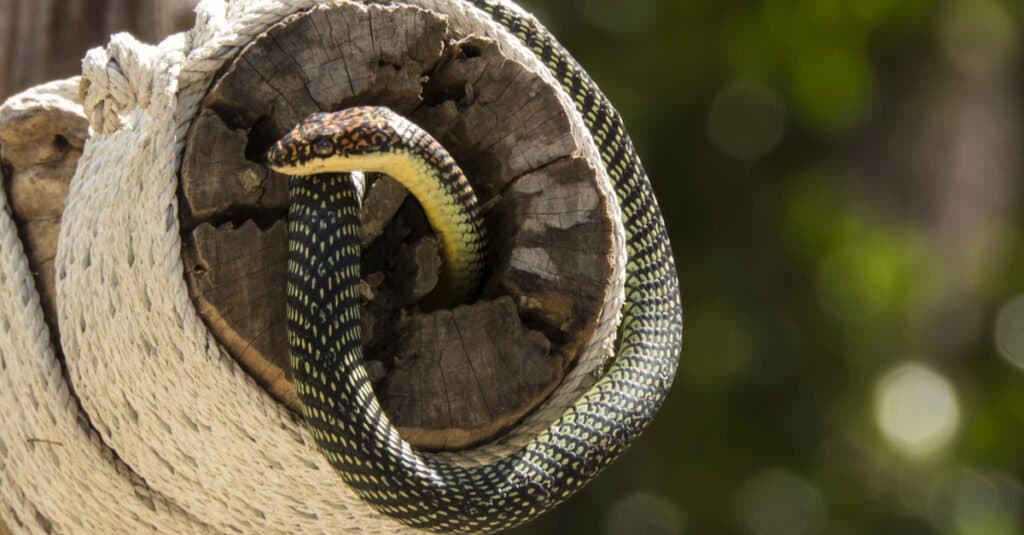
344 415
431 175
423 491
323 280
452 210
357 438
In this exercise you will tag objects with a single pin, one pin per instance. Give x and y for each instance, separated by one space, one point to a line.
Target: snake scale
324 318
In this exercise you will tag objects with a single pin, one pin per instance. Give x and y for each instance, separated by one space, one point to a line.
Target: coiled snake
324 323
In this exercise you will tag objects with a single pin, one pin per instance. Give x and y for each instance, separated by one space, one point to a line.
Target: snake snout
276 154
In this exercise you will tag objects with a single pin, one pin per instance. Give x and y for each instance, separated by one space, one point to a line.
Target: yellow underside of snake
324 329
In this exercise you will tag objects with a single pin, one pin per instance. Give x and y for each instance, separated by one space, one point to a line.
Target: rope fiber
147 423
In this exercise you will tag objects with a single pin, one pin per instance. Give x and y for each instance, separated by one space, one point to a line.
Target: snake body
324 323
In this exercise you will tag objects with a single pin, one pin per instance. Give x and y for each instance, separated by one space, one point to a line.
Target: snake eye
323 146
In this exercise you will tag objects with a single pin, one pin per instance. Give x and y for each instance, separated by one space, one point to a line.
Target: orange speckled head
349 132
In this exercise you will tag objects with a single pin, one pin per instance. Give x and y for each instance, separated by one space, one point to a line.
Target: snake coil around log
324 326
127 414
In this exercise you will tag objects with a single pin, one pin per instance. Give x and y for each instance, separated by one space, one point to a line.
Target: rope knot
116 80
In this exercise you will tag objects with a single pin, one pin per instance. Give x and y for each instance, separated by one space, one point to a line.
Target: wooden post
448 379
42 40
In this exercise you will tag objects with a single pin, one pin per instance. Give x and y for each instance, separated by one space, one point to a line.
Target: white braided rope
215 451
54 470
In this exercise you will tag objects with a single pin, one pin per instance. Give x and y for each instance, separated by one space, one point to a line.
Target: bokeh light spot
917 410
834 86
777 501
644 513
856 283
747 120
879 270
986 505
979 37
1010 332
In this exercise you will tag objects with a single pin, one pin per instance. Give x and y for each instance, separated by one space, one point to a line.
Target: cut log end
448 379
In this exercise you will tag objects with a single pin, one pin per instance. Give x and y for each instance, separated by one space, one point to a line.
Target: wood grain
42 40
448 379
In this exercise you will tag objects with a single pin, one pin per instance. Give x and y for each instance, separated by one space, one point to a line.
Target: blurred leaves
827 237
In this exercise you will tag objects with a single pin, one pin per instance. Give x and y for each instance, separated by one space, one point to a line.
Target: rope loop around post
157 427
116 80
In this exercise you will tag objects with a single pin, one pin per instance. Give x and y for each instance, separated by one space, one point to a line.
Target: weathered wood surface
43 40
448 379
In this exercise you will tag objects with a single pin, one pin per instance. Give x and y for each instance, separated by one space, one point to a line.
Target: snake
320 156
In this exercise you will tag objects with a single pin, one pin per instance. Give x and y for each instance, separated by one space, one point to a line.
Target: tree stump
449 379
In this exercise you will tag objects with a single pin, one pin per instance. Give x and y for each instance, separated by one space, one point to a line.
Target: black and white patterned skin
339 404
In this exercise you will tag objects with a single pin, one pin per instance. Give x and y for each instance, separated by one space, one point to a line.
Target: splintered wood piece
498 120
437 374
462 374
556 261
383 200
217 178
237 278
416 271
41 140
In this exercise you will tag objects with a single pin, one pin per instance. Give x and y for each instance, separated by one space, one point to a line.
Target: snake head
335 142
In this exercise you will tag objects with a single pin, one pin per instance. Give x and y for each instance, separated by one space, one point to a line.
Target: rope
151 425
55 473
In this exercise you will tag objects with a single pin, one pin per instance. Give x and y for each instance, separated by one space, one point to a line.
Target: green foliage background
842 184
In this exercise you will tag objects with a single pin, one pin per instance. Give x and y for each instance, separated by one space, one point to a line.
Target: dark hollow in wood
447 379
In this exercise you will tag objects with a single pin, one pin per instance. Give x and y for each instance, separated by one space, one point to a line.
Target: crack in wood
451 379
